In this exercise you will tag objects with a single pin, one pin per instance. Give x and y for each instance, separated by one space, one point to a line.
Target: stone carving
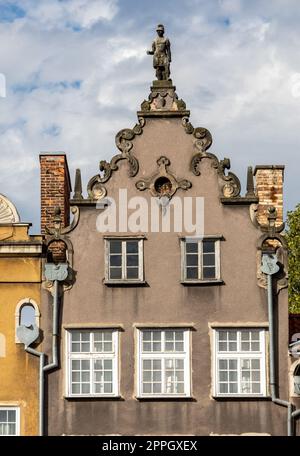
161 51
8 212
273 240
58 230
59 233
163 98
230 184
163 183
124 144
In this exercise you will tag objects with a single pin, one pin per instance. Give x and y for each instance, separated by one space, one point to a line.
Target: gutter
270 267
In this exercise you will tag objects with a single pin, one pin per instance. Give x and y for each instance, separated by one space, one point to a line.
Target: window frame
240 355
18 421
91 356
124 279
186 356
217 278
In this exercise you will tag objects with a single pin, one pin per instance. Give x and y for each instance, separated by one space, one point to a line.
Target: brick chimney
269 190
55 188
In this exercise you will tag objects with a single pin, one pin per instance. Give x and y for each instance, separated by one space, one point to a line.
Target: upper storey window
201 260
124 260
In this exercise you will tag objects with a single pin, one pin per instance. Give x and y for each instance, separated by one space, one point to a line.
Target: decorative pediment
230 183
163 183
96 189
8 212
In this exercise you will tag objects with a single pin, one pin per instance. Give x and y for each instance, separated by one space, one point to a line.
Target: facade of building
162 291
20 286
164 328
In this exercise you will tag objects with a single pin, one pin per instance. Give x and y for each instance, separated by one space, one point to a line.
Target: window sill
242 398
202 282
93 398
165 398
125 283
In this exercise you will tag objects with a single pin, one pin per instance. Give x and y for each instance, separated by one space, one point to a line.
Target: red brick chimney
55 188
269 190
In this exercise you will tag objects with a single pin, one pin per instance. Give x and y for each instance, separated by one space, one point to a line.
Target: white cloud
53 14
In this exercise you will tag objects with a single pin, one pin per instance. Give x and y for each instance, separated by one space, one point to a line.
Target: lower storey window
240 362
164 365
9 421
93 363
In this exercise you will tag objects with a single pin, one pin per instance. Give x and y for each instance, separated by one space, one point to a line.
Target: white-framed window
240 362
124 260
163 362
93 362
9 420
201 259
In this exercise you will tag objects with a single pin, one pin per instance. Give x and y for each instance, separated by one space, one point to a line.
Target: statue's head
160 30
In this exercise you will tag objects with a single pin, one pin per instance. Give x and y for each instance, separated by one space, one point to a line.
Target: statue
161 51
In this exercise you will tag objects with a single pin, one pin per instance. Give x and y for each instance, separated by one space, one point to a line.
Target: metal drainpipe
54 363
56 273
41 355
270 268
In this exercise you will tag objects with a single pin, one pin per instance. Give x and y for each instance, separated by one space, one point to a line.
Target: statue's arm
168 49
153 49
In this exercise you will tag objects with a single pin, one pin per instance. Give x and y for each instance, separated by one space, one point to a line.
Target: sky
76 72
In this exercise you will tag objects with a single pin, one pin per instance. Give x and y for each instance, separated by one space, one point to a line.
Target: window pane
132 246
107 388
132 260
12 429
209 259
254 346
115 260
208 246
223 376
75 364
256 388
115 246
179 346
192 260
75 388
75 336
192 273
209 273
132 273
107 364
3 416
233 388
85 388
223 388
223 363
255 364
115 273
222 346
75 376
245 346
191 247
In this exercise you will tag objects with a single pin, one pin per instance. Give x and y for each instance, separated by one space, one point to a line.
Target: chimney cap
258 167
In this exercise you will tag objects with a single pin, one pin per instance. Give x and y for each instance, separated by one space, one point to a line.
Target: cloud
53 14
76 71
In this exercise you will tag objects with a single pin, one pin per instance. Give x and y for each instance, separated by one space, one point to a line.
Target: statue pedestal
163 101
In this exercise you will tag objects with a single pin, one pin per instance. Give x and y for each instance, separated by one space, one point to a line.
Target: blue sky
76 72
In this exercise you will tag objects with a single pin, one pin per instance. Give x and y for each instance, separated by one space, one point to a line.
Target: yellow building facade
20 291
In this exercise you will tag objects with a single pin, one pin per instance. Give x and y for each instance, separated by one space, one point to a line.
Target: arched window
27 313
